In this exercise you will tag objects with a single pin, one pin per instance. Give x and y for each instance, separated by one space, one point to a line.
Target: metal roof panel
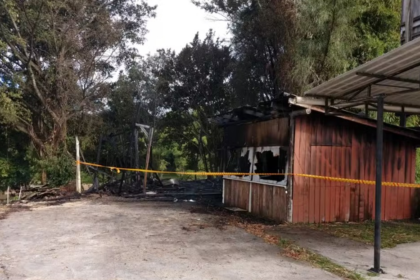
387 75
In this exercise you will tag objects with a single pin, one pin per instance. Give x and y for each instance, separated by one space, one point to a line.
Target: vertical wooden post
149 146
20 193
98 158
136 153
121 183
8 196
78 178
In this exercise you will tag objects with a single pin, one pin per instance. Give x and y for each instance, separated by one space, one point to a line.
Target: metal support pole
403 117
367 103
78 178
378 189
326 106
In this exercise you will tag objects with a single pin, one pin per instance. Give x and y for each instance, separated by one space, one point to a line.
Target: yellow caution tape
334 179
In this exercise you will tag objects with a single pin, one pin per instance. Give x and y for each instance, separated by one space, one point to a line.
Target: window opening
271 160
239 161
259 160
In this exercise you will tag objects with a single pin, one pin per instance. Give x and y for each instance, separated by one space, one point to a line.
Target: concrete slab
135 240
401 262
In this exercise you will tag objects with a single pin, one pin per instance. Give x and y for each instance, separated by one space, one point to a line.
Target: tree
133 97
194 86
377 28
326 39
14 162
294 45
263 44
336 35
56 57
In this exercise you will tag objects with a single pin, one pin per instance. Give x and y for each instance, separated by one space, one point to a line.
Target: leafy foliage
194 86
14 164
337 35
378 28
263 44
56 57
326 40
60 169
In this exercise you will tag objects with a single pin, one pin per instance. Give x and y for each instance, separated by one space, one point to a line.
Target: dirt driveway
103 239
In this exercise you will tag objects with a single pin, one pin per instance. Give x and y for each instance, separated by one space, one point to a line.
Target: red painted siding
330 146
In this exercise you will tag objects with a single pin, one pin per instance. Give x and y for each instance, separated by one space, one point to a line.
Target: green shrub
60 169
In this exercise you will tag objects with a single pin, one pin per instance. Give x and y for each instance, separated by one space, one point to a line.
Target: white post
78 178
8 195
223 192
20 193
250 198
149 149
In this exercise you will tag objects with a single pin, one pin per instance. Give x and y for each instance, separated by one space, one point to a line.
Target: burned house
295 135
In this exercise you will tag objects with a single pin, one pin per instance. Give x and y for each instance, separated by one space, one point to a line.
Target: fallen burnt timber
46 193
170 189
121 148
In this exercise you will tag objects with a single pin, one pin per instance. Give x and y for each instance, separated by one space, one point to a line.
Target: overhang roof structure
395 75
391 79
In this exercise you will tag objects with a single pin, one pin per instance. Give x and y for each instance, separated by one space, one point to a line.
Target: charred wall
259 134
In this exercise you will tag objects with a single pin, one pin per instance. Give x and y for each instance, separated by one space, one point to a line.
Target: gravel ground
125 239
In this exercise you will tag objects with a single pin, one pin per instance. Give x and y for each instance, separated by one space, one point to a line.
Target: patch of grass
86 178
372 274
400 276
392 233
296 252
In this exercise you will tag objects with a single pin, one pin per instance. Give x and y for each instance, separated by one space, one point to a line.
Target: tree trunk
43 172
43 177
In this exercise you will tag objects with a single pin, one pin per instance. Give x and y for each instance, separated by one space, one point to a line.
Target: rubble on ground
44 193
206 190
169 189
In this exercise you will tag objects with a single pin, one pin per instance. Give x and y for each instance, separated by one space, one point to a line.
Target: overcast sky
176 23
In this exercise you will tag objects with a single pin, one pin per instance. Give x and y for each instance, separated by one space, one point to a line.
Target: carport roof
395 75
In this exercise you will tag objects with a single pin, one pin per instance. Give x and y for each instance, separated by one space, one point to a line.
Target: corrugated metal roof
395 74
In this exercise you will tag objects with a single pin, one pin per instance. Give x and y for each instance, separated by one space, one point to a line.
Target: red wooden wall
330 146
